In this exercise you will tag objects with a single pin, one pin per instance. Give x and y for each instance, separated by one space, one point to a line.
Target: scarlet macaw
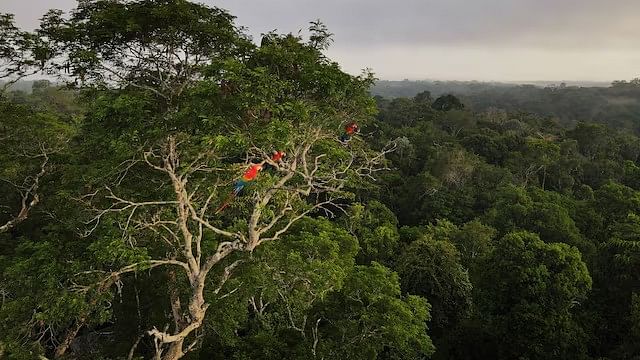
349 130
247 177
276 157
250 175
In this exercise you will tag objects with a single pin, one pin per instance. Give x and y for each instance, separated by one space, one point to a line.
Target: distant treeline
617 106
408 88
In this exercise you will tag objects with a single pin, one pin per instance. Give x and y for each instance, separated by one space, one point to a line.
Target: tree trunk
175 351
69 337
174 344
174 298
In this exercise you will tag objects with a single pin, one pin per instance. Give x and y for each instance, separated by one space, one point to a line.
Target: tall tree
528 292
187 104
430 267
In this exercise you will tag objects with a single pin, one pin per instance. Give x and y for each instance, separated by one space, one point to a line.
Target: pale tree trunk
175 351
174 344
71 334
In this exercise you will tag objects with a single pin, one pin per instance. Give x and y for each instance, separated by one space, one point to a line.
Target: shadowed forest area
182 191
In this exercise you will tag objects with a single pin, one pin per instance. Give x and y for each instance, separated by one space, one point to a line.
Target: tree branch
29 197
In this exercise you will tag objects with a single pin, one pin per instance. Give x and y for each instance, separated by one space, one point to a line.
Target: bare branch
143 265
133 347
120 205
29 196
226 275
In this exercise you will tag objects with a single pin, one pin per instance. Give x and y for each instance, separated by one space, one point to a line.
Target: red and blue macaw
349 130
249 176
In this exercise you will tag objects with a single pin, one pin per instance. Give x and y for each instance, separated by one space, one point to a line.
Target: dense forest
616 106
192 193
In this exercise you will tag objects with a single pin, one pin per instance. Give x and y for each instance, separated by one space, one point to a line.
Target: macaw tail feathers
345 138
237 188
227 202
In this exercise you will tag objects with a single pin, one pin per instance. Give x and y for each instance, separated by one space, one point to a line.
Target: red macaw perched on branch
250 175
349 130
276 158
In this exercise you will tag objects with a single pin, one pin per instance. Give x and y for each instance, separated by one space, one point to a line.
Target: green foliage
306 298
447 102
430 267
20 52
351 320
527 293
227 100
574 186
625 241
281 284
544 213
474 241
376 228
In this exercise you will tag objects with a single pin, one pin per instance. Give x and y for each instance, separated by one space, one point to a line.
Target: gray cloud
540 23
479 39
28 12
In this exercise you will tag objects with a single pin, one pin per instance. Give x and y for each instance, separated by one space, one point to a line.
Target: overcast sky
503 40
